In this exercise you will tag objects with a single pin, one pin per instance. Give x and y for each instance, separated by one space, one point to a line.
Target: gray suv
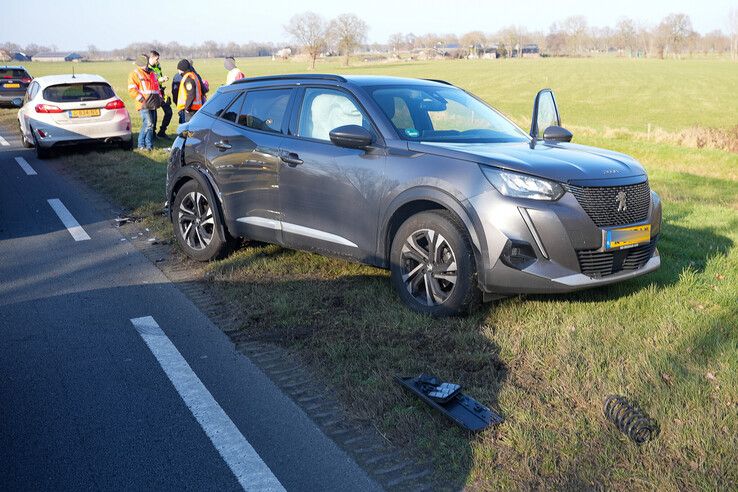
417 176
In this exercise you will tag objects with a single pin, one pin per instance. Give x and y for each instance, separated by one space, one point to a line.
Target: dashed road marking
243 460
3 141
25 166
68 220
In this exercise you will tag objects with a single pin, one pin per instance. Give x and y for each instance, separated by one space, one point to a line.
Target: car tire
196 227
41 152
24 140
432 265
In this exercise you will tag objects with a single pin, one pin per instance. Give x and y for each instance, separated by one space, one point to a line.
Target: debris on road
630 419
448 399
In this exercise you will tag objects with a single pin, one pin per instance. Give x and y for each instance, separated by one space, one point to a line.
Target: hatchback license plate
626 237
12 86
84 113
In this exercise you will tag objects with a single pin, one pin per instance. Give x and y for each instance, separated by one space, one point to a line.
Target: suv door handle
291 159
223 145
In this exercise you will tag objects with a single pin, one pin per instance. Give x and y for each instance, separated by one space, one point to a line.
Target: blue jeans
146 135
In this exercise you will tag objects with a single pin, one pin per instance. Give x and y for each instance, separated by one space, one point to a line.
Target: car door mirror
556 134
545 114
351 136
17 102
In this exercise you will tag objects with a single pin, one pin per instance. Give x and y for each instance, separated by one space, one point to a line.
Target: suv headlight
522 186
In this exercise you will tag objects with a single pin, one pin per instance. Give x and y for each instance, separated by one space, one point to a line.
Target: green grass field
668 340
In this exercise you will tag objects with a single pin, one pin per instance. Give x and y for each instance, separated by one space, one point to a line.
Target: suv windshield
443 114
86 91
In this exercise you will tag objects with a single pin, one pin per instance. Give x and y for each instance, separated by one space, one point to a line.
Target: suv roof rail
293 76
439 81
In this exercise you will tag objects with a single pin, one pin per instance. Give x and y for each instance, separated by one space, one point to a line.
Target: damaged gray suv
417 176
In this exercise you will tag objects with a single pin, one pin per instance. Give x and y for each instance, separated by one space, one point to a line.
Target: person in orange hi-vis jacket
143 87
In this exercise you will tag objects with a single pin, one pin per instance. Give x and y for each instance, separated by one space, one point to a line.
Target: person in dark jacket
166 105
190 90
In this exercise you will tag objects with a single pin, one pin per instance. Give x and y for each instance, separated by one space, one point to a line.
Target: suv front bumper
556 234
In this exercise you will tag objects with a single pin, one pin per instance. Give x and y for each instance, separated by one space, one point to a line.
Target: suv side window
326 109
218 103
231 114
264 109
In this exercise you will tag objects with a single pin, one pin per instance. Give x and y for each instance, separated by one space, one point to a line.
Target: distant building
20 57
531 51
59 56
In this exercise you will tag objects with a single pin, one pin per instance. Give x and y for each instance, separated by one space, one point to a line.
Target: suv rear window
92 91
13 73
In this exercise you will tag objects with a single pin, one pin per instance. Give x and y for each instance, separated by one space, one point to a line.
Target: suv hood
564 162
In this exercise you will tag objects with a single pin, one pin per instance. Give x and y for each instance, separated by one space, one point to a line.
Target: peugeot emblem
620 198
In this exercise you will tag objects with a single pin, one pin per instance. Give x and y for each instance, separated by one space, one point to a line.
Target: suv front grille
599 264
601 203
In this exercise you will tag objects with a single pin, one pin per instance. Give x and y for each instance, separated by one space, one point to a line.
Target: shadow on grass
355 333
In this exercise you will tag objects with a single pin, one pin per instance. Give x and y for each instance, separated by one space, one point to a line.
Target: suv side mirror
557 134
351 136
545 114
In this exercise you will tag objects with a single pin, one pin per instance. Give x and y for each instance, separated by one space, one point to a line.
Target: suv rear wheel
195 225
432 264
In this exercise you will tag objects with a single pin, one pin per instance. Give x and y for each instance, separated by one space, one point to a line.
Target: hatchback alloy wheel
429 269
196 223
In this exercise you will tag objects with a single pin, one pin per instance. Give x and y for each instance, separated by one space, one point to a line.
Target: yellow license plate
626 237
84 113
12 86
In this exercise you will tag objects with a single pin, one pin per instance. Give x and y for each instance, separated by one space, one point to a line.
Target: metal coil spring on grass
630 419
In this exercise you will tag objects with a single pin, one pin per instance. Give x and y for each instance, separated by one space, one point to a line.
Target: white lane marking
3 141
68 220
25 166
245 463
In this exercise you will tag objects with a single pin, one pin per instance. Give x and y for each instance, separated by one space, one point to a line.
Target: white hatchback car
61 110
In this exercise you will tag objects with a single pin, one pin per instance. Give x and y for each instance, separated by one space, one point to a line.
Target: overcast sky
74 24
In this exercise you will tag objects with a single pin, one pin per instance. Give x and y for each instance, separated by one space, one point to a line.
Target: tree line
315 36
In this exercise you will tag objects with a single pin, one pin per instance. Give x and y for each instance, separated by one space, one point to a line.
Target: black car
14 82
417 176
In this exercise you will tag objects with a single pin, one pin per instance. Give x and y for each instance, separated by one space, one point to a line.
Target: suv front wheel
195 225
432 264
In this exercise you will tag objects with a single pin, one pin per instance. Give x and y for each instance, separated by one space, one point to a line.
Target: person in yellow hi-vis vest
191 95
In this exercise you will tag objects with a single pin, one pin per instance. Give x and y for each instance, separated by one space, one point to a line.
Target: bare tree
348 32
396 42
673 33
626 36
310 31
733 30
513 38
575 28
92 52
474 42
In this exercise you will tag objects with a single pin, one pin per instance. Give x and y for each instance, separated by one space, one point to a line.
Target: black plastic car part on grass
448 399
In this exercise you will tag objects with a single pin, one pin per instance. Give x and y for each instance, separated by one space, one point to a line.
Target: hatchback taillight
116 104
48 108
26 80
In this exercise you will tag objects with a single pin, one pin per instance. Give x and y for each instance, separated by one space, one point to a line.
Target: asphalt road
110 378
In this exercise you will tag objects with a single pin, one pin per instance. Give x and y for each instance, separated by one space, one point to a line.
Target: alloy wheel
428 265
196 222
